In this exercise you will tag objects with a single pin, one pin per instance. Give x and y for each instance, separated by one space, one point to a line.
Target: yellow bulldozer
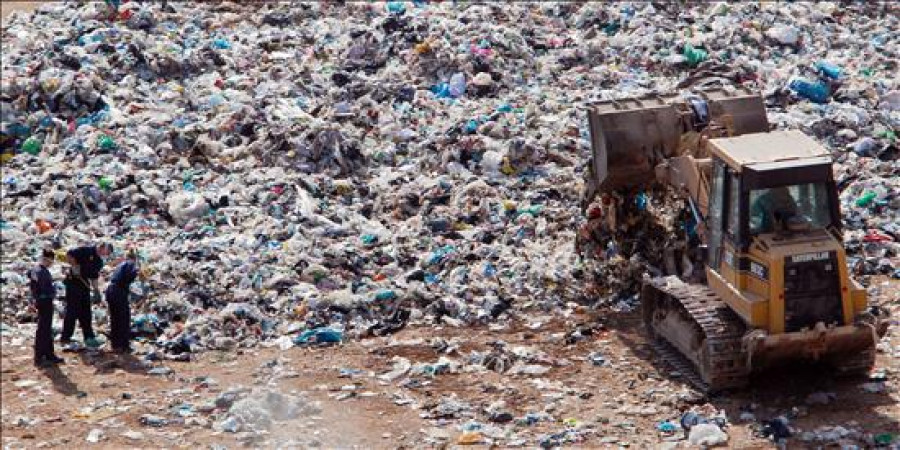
775 285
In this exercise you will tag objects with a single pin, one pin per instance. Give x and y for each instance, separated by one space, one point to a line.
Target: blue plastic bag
319 335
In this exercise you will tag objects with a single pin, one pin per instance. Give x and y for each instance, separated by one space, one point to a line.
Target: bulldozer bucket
630 137
849 348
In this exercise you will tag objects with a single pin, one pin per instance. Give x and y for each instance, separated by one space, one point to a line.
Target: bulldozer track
720 330
677 361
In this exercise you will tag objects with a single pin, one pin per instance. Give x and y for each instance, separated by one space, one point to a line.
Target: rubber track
684 366
722 331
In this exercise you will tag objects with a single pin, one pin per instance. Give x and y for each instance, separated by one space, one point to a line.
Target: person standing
86 262
117 301
78 308
43 293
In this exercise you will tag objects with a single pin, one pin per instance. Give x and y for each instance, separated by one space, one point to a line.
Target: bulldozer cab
774 185
773 221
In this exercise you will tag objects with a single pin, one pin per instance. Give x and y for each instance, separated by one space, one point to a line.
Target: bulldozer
774 285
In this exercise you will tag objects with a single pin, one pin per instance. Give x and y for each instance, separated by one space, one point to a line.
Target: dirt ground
7 7
617 404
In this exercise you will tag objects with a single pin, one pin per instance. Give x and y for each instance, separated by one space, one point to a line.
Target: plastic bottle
694 56
866 199
221 44
32 146
457 85
814 91
828 70
385 295
441 90
105 183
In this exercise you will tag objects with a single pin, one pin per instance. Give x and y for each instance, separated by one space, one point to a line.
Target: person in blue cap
43 292
117 301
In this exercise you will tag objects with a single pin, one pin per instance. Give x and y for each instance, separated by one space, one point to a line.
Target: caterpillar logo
807 257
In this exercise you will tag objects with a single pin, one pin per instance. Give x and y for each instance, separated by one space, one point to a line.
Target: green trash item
887 134
693 55
533 210
105 183
32 146
105 142
611 28
865 199
884 439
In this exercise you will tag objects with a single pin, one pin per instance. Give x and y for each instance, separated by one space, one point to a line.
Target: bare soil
604 397
7 7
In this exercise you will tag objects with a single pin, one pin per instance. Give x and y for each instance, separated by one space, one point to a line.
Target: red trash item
43 226
876 236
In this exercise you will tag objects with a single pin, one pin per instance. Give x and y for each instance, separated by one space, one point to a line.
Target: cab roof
762 149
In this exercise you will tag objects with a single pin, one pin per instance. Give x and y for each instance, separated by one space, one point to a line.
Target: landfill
319 174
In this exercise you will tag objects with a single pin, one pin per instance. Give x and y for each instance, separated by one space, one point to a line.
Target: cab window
732 219
786 208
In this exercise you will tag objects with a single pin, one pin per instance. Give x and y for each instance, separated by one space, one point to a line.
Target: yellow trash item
469 438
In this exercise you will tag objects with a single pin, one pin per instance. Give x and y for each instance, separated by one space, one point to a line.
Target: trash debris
707 435
777 429
262 409
469 438
132 435
95 435
319 173
874 387
319 336
150 420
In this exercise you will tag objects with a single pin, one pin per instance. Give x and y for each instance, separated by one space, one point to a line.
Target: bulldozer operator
773 211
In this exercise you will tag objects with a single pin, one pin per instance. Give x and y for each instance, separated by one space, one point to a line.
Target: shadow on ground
61 382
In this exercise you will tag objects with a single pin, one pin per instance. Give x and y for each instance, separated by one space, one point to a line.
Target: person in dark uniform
117 301
43 293
78 308
86 263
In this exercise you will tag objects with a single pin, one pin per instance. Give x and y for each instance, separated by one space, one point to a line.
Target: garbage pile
353 168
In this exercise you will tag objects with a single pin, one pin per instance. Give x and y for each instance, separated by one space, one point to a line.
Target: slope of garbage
364 165
305 173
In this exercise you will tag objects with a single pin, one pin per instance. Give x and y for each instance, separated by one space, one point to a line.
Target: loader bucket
849 348
629 138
